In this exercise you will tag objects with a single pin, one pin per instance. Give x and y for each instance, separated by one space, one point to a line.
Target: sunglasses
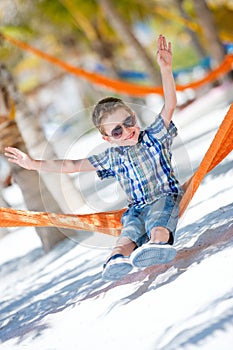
129 122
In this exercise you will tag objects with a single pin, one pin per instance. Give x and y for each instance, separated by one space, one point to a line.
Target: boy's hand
164 53
18 157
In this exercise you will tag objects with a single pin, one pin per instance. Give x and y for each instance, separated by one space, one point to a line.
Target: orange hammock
118 85
109 222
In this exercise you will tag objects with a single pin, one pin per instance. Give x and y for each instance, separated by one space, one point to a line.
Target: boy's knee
161 234
159 230
122 241
124 246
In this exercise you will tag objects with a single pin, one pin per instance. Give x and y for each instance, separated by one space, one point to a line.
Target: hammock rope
219 148
118 85
110 222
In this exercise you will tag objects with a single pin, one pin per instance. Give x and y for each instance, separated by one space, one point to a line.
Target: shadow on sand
208 242
25 313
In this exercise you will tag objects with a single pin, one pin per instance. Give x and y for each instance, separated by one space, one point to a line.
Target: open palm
18 157
164 53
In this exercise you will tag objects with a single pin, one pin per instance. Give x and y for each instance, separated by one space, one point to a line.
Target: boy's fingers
10 148
169 47
8 154
159 42
164 43
11 157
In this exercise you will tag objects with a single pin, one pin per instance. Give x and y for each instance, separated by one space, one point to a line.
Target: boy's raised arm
54 166
164 59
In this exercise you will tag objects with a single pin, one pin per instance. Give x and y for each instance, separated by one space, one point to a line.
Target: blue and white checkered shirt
144 170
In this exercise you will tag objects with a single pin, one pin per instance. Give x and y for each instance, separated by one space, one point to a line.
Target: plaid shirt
144 170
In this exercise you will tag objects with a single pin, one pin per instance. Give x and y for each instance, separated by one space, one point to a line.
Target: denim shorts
138 223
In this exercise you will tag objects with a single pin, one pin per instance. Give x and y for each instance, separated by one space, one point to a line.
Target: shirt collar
124 149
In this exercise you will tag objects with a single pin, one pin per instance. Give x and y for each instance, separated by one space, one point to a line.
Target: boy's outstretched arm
54 166
164 59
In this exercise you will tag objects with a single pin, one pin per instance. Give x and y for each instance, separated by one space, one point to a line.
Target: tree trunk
213 41
196 43
3 202
34 191
126 34
38 147
29 184
98 43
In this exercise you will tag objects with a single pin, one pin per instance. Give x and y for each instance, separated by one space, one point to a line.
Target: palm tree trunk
35 193
36 144
213 41
4 204
126 34
196 43
97 41
34 190
29 184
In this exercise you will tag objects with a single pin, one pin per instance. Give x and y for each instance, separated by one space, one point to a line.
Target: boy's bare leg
118 266
123 246
159 234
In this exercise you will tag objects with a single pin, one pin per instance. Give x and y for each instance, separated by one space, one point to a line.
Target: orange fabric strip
104 222
118 85
220 147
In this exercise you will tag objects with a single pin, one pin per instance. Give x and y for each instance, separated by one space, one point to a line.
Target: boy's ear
106 138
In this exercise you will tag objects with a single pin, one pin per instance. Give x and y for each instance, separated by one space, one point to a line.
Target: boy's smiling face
121 128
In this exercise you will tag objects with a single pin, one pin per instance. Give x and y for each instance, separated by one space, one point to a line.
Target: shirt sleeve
101 162
159 130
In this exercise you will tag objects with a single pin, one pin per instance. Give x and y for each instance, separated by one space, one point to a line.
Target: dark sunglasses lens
117 132
130 121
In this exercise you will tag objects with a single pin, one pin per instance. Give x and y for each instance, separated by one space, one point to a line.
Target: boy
141 162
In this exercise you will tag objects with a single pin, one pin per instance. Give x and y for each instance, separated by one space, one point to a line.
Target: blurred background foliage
80 32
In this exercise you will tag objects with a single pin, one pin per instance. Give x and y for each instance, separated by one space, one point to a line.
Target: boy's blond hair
105 107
